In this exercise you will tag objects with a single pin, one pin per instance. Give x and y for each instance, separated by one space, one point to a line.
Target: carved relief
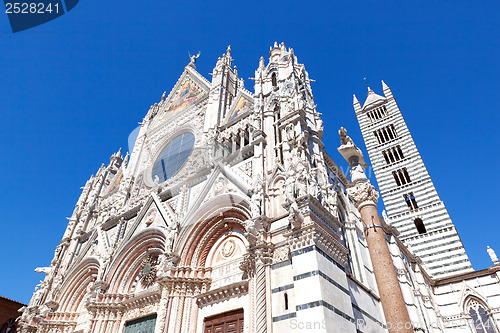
150 217
363 192
147 274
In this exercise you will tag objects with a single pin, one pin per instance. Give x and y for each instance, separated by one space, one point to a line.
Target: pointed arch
480 316
274 79
213 219
273 102
74 289
277 193
204 236
127 263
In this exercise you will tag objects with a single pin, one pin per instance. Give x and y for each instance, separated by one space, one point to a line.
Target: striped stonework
411 200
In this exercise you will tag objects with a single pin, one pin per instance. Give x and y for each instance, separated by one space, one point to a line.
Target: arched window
286 301
274 80
480 320
420 226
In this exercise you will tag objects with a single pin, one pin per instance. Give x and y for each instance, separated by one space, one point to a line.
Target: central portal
141 325
228 322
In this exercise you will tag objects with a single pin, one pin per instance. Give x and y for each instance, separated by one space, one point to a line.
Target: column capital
363 193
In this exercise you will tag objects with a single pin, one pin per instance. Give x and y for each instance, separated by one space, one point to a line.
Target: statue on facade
290 194
156 184
313 186
37 297
172 232
255 200
319 123
493 256
193 58
302 182
331 200
344 138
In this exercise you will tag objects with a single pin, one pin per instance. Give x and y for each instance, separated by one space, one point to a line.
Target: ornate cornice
184 286
314 234
222 293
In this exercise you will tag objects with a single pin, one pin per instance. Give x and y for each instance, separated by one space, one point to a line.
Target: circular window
173 156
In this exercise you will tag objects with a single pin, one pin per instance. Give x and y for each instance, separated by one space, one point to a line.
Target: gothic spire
354 99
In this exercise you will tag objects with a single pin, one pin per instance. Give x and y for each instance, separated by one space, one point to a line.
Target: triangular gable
87 248
278 170
188 90
152 214
469 291
242 104
373 99
232 183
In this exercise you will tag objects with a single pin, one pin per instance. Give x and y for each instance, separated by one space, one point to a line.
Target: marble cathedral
229 216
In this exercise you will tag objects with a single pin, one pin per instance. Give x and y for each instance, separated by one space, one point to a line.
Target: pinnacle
354 99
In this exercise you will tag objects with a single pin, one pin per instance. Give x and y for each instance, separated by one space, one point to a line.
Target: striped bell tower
411 200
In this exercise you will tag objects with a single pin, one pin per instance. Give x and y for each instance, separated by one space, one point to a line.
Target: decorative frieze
222 293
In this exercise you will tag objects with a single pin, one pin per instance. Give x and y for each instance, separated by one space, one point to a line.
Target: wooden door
228 322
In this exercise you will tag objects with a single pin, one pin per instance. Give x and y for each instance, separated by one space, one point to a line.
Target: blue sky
73 89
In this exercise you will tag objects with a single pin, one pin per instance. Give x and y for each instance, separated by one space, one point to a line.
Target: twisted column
263 258
260 294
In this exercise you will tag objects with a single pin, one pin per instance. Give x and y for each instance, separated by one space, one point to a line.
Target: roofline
2 297
466 276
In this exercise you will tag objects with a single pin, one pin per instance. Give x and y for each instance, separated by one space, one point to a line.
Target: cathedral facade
229 216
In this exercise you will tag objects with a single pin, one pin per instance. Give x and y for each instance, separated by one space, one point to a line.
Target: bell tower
412 202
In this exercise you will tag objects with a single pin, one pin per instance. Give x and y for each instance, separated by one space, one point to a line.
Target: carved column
176 306
260 296
242 138
162 309
233 143
365 197
255 265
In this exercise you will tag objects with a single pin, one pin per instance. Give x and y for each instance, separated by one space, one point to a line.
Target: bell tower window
401 177
420 226
410 201
385 134
377 114
393 154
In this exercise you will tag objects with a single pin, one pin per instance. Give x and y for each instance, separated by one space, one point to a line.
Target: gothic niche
224 258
